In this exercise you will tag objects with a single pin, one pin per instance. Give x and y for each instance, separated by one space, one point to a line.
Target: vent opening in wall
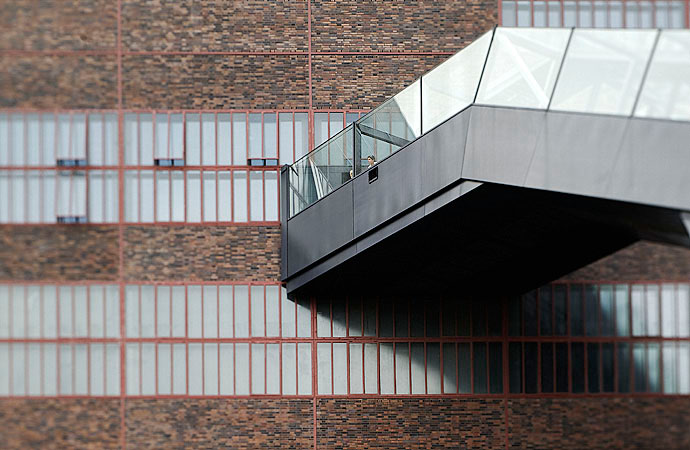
373 174
65 162
262 162
169 162
71 219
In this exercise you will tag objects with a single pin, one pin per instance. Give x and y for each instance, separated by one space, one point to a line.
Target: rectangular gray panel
320 229
442 152
576 153
397 188
500 144
653 165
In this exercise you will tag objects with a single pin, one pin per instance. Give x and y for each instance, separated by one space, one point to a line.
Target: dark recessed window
64 162
71 219
169 162
262 162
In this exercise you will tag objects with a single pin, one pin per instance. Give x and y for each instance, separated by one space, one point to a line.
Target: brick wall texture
206 253
640 423
59 253
59 423
642 261
58 25
212 423
213 54
58 81
192 25
410 25
215 81
410 423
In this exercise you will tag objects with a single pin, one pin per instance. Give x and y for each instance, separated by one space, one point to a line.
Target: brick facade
58 253
410 26
365 81
215 81
410 423
223 26
640 423
211 423
58 25
58 81
215 54
641 261
207 253
60 423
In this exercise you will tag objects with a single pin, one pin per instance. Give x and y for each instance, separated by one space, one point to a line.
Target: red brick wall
642 261
640 423
410 423
215 81
364 81
58 81
58 253
411 26
60 423
192 25
208 253
210 423
58 25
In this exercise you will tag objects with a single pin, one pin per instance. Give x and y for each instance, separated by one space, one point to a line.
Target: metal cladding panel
654 164
501 143
398 187
284 212
443 151
320 229
576 153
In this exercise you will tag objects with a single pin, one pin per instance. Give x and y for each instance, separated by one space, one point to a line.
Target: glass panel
524 17
547 367
508 14
452 86
322 171
577 355
387 364
392 125
539 13
304 369
515 367
433 368
667 85
554 14
602 71
569 14
479 367
402 368
340 369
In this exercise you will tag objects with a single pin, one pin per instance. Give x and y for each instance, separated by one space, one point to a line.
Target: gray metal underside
625 160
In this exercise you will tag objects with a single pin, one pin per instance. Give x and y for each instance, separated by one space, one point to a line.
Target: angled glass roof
630 73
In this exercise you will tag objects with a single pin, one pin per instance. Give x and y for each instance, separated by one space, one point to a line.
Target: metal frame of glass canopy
630 73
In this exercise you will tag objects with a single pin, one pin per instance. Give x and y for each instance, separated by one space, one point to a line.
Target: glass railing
631 73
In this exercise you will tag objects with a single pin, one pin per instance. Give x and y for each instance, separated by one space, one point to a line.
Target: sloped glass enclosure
628 73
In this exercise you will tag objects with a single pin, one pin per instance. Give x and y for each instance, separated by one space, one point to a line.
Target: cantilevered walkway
528 154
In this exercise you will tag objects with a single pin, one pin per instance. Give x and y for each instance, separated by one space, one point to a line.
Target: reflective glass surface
666 90
522 67
452 86
602 71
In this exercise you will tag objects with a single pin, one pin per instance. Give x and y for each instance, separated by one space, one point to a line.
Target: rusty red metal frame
123 168
476 337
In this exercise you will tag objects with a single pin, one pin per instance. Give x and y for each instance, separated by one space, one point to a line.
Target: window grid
599 14
247 339
64 166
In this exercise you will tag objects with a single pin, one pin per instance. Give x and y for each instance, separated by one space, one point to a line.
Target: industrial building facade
140 294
